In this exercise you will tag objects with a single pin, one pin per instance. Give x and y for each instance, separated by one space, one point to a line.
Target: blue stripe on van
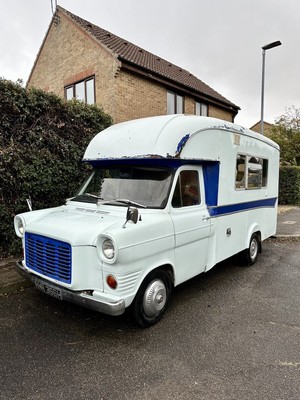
211 171
240 207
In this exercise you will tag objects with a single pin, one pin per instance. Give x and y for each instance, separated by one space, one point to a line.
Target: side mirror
131 215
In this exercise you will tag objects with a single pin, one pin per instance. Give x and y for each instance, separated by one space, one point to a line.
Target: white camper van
168 198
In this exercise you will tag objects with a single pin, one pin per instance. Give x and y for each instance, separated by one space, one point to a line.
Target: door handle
205 219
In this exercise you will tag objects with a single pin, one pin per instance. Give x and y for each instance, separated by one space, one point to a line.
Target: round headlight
19 226
108 249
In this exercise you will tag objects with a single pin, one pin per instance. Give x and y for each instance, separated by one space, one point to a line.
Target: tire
152 299
250 255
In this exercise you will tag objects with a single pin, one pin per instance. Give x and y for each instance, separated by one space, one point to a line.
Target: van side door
192 223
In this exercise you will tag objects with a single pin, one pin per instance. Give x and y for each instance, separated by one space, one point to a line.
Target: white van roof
156 137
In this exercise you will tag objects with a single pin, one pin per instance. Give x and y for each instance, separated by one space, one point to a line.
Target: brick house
267 127
79 59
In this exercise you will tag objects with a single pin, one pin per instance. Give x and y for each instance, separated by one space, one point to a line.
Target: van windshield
139 186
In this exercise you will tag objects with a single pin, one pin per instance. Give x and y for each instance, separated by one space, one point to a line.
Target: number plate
48 289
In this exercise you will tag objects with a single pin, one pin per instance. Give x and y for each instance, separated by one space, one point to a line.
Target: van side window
240 171
251 172
265 165
254 173
187 190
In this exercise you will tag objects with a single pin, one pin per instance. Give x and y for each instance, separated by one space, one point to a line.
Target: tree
286 132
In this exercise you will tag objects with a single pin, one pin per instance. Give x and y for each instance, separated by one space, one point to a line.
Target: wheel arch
153 295
254 229
168 268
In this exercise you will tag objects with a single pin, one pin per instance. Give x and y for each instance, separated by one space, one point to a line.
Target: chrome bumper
82 298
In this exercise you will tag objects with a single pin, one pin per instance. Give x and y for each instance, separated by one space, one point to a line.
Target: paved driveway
233 333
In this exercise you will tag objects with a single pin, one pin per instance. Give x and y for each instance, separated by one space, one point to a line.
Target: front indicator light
112 282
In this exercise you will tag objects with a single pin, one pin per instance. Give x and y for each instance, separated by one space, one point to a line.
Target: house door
192 224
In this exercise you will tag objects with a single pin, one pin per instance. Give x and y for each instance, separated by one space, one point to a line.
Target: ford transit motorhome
168 198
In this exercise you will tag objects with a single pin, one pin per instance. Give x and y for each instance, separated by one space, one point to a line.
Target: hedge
289 185
42 142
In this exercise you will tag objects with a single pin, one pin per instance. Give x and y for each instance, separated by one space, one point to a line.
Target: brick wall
219 113
137 97
69 55
189 105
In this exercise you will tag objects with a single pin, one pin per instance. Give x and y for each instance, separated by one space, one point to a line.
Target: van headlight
107 249
19 226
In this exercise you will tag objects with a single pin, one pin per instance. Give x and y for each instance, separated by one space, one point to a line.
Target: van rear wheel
152 299
250 255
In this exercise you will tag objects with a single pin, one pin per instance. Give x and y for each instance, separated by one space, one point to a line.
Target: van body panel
174 193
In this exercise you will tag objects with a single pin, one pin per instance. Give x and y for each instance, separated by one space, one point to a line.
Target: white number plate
48 289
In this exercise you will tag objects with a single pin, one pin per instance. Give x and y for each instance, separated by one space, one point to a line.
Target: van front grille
48 257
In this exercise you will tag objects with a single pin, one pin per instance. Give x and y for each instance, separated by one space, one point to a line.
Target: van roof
157 137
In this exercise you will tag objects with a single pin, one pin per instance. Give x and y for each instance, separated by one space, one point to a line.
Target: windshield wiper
74 198
124 201
130 203
92 195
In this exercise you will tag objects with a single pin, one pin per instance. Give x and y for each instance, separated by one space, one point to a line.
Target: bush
42 142
289 185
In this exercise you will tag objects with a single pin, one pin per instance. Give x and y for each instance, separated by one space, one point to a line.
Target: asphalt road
233 333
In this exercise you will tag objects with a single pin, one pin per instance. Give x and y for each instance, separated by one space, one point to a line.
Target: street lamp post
264 48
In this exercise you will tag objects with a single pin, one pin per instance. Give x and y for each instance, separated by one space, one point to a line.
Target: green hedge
289 185
42 142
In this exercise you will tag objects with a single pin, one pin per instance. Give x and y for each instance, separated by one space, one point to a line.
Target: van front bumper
82 298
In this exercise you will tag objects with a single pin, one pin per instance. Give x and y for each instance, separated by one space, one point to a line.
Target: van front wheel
152 299
251 253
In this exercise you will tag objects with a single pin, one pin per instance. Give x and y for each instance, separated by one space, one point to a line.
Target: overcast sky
219 41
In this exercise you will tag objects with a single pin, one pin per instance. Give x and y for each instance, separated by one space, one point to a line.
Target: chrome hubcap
253 249
155 298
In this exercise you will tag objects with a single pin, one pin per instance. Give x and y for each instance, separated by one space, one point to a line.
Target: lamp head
271 45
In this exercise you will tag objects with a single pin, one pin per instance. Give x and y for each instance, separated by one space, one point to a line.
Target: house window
174 103
201 109
83 91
